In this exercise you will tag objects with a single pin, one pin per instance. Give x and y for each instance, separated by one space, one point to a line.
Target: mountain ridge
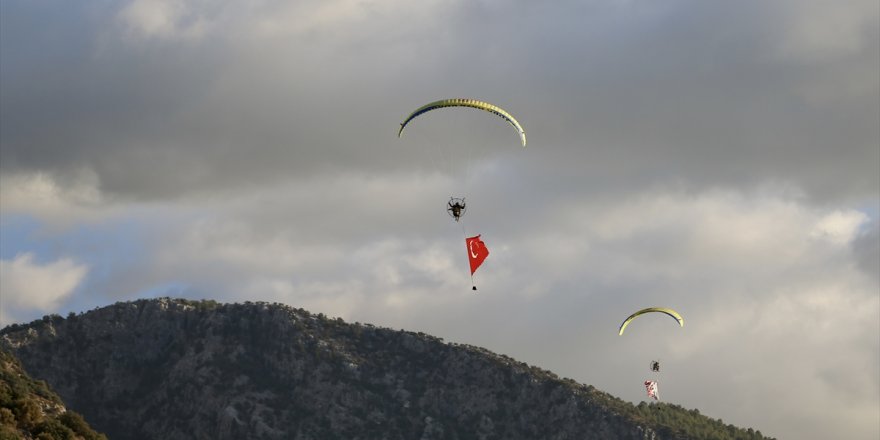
174 368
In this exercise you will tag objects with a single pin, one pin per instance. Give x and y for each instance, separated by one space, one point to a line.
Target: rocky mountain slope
177 369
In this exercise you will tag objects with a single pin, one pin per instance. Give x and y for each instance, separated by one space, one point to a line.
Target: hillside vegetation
30 410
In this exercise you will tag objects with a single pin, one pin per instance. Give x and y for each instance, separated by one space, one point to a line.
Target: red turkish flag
477 252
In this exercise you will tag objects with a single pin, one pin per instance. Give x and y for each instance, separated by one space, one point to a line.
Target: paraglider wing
465 102
667 311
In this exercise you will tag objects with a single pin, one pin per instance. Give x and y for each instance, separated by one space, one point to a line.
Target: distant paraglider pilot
655 366
456 208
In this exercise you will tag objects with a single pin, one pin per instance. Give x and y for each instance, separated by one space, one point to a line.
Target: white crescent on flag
477 252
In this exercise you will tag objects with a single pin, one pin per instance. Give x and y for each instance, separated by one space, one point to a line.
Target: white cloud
56 203
166 19
177 20
839 227
27 286
799 346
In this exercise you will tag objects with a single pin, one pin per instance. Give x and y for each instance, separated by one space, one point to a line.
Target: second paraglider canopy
664 310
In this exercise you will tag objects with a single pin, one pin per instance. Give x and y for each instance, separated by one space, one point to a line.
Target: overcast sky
720 158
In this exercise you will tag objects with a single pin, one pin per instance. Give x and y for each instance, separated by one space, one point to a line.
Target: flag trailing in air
651 387
477 252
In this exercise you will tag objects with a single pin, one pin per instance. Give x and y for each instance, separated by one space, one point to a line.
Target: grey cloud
631 92
867 250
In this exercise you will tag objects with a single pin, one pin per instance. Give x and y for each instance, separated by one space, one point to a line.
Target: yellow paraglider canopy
466 102
667 311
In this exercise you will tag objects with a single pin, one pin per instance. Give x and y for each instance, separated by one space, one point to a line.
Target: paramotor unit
456 207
